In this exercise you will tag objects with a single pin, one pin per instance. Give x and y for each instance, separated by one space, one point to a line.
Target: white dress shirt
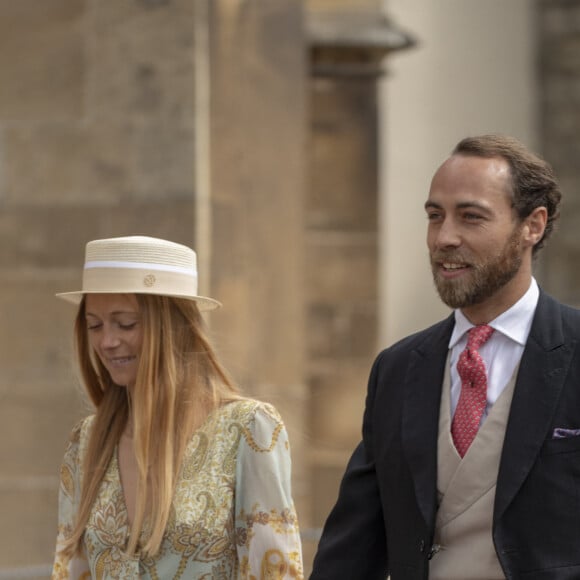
502 352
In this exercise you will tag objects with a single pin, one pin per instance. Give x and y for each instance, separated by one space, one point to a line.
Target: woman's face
115 334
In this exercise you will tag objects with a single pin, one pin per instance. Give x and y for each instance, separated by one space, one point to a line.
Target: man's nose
447 235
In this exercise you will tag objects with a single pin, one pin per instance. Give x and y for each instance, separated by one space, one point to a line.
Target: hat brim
204 303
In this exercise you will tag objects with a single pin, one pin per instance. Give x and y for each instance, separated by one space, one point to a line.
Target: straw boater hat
140 265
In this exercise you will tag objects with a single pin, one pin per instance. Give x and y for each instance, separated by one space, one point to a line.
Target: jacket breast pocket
564 445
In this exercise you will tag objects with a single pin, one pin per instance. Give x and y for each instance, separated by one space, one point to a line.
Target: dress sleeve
66 568
267 534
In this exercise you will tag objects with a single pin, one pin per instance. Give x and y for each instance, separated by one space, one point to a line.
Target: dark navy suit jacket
384 518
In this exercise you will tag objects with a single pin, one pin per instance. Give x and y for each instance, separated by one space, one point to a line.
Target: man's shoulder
435 336
549 306
554 323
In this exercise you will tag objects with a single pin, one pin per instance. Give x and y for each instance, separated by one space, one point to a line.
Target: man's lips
452 266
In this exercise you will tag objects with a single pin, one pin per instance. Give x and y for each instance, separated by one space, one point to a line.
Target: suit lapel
542 373
420 420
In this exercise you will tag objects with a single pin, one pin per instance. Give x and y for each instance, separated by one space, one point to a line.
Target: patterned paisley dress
232 515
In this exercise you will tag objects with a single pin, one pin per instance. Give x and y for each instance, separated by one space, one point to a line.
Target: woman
176 475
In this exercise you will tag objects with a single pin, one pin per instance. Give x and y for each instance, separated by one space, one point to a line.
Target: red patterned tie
473 397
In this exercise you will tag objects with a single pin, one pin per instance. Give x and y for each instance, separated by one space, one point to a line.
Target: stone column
258 111
347 48
559 33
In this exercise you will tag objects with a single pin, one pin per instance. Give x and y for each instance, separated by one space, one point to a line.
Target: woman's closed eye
122 325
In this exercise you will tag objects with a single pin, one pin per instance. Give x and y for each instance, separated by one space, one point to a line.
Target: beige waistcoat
466 492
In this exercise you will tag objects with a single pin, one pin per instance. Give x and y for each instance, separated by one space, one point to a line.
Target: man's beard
483 280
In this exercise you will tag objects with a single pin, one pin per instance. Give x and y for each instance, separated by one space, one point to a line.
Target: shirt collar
515 322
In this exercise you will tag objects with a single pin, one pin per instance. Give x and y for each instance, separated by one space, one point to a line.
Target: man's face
474 238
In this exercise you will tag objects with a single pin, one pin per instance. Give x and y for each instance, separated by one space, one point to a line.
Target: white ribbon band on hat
140 266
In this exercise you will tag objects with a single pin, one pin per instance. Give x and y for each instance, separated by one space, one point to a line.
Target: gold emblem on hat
149 280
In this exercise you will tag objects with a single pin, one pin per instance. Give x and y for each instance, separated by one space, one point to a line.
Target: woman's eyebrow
115 313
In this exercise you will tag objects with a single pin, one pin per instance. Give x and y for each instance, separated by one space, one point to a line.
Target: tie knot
478 336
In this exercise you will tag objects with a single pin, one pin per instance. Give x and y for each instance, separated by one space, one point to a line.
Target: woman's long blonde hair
179 382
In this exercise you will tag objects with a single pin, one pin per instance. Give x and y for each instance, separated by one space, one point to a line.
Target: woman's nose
109 339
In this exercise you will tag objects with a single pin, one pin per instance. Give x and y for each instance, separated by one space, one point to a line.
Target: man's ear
534 226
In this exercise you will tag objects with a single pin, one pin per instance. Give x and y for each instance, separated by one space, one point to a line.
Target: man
469 466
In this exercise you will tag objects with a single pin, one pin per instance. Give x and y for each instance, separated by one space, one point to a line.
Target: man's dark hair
532 178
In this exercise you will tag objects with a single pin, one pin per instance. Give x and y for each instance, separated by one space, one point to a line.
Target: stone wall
348 43
341 269
258 173
101 126
97 138
100 135
559 34
342 5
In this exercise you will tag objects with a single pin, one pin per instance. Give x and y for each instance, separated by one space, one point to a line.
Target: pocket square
562 433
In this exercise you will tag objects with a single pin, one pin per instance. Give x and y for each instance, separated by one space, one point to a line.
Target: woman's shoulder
256 423
247 411
80 430
75 450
